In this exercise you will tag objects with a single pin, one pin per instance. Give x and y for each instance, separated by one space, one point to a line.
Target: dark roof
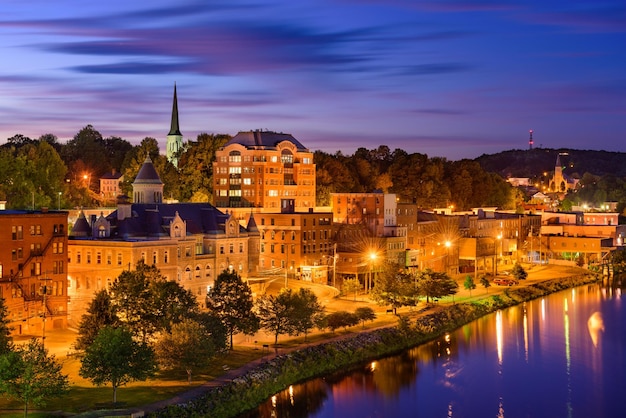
150 220
174 128
264 140
81 227
111 176
252 226
147 174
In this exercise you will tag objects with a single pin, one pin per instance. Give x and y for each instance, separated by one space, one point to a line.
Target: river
563 355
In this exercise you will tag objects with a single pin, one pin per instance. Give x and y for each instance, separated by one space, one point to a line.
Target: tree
115 358
130 297
469 284
307 311
351 286
230 299
395 286
518 272
341 319
171 303
100 313
6 342
484 281
31 376
433 284
187 346
214 327
276 313
365 313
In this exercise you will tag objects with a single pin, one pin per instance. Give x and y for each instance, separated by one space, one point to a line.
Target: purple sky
450 78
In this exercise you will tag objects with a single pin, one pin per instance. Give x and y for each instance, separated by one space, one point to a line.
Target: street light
495 253
59 201
447 244
372 260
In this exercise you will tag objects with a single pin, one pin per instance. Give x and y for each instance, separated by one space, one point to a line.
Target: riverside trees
230 299
289 312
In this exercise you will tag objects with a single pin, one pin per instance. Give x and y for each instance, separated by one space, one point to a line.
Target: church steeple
174 127
174 137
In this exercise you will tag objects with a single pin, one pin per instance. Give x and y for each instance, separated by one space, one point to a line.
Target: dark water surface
560 356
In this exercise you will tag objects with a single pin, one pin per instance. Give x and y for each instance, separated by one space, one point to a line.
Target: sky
446 78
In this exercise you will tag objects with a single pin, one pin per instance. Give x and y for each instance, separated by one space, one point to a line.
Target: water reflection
545 358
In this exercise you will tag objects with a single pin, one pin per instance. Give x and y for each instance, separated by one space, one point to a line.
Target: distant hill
529 163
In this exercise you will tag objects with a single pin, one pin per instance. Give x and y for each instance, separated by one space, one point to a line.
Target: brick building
33 269
264 169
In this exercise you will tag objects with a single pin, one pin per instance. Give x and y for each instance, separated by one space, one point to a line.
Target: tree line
44 172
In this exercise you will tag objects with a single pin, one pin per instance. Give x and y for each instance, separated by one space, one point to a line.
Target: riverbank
247 390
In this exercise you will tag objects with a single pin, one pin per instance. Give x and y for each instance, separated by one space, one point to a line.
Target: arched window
207 271
286 157
234 157
198 272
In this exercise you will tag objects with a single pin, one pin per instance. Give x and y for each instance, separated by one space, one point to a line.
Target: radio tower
530 140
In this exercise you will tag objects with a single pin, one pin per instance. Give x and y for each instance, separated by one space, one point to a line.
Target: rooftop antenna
530 140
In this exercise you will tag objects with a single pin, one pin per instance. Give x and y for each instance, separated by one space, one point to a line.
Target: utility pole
44 290
334 264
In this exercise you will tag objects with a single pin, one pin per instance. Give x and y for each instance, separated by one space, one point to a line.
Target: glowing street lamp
372 260
495 252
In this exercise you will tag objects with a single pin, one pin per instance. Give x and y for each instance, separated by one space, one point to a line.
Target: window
166 256
109 259
119 259
98 257
221 249
241 247
154 257
35 229
231 248
78 257
17 232
35 269
198 272
88 259
234 157
286 157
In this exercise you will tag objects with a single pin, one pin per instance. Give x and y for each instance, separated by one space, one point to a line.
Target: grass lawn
83 396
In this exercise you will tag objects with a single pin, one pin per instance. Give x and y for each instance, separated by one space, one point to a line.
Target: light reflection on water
560 356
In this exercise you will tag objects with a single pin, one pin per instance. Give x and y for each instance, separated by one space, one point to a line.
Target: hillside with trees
532 163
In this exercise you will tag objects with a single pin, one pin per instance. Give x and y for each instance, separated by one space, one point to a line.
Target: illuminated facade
301 243
190 243
33 269
263 169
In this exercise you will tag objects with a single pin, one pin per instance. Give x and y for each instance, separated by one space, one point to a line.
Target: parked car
505 282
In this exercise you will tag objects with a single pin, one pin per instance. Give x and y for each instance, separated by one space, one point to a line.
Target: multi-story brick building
264 169
189 242
367 233
33 269
300 244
